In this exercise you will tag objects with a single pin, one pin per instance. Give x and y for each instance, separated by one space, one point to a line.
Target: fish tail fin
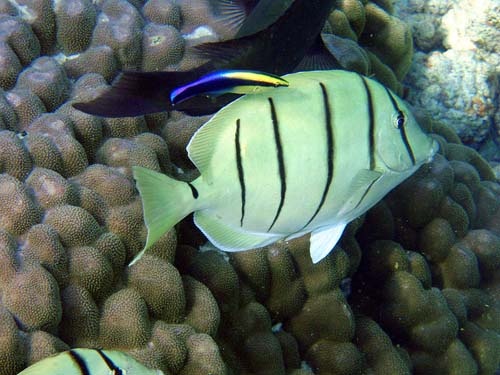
165 202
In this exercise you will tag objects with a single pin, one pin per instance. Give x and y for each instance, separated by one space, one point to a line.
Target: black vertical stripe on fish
371 124
281 163
193 190
239 166
111 365
366 192
77 358
329 148
402 129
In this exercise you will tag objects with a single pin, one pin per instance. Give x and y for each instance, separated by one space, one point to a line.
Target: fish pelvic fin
165 202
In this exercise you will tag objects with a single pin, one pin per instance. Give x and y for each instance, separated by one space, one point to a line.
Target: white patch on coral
208 246
199 33
277 327
61 58
458 24
156 40
305 366
24 11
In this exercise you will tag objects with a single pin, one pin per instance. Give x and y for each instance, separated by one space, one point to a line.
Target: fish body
276 49
89 362
307 158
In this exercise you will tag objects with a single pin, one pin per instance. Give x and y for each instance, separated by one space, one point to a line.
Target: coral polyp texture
367 38
413 287
456 70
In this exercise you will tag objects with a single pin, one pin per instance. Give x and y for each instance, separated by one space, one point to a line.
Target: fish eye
399 120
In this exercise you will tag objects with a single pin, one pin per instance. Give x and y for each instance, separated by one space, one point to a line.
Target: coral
162 45
413 283
74 15
455 73
163 12
32 296
370 40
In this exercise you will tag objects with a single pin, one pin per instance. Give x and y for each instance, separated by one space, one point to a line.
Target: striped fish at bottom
306 158
89 362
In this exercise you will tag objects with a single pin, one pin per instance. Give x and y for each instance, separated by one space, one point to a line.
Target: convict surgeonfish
89 362
276 48
307 158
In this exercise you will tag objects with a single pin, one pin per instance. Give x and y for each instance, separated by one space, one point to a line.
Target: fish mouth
434 148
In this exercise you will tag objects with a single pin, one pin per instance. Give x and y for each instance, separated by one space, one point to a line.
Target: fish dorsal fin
360 185
227 238
204 141
323 240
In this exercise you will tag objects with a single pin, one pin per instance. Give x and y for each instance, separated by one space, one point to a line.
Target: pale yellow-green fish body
310 157
89 362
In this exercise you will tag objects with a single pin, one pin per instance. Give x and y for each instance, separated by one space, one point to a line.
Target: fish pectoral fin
227 238
324 240
360 185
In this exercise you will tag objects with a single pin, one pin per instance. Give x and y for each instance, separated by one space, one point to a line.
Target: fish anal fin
323 240
227 238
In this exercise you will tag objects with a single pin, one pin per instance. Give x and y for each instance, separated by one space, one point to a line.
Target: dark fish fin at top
227 51
317 58
138 93
233 13
348 54
263 15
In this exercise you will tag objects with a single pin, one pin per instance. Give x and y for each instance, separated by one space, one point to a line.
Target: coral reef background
456 72
414 286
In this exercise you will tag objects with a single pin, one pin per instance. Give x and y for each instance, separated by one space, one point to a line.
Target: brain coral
408 286
368 39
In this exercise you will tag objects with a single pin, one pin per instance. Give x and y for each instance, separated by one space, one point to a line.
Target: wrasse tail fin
165 202
227 238
138 93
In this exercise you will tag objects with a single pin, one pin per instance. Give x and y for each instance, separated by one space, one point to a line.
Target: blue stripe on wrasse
226 81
